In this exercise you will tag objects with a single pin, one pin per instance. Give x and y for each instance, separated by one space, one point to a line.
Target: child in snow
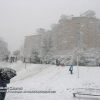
71 69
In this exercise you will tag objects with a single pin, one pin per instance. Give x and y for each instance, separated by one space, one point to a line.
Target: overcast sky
20 18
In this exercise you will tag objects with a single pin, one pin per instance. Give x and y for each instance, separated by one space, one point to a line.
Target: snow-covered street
41 77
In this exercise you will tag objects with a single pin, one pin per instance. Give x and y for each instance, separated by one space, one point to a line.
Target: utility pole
79 46
77 66
25 53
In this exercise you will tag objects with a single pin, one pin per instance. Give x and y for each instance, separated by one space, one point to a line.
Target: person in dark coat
24 59
7 58
11 58
57 62
16 59
3 85
30 59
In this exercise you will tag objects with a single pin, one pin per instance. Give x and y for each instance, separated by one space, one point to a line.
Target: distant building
68 33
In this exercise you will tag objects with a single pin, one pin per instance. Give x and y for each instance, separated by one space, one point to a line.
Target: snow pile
41 77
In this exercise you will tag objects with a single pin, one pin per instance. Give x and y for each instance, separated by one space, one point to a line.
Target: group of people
11 59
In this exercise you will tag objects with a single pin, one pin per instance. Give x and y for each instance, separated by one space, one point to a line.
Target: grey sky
19 18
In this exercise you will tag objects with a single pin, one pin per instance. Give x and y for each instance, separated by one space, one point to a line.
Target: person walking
3 84
5 75
7 58
71 69
24 59
11 59
57 62
30 59
16 59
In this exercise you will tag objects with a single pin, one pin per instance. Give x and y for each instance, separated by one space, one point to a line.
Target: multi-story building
67 34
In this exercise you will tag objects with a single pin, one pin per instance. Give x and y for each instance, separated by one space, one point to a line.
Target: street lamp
25 52
79 45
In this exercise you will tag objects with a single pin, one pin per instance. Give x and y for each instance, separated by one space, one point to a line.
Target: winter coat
3 85
71 67
63 64
4 82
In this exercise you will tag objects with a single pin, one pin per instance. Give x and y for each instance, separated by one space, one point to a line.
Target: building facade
67 34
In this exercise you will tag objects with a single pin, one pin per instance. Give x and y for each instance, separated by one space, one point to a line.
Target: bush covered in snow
3 49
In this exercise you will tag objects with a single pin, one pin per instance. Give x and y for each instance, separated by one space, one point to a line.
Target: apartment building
68 33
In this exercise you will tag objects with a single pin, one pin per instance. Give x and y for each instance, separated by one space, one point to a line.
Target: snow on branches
3 49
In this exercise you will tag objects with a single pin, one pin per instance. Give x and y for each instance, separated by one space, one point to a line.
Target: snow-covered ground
41 77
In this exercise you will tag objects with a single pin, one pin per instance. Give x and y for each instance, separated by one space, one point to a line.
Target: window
90 22
66 45
77 33
64 41
77 23
77 28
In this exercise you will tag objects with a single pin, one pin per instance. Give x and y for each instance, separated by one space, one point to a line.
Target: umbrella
7 73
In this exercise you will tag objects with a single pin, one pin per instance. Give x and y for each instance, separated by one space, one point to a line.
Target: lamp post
79 46
25 53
